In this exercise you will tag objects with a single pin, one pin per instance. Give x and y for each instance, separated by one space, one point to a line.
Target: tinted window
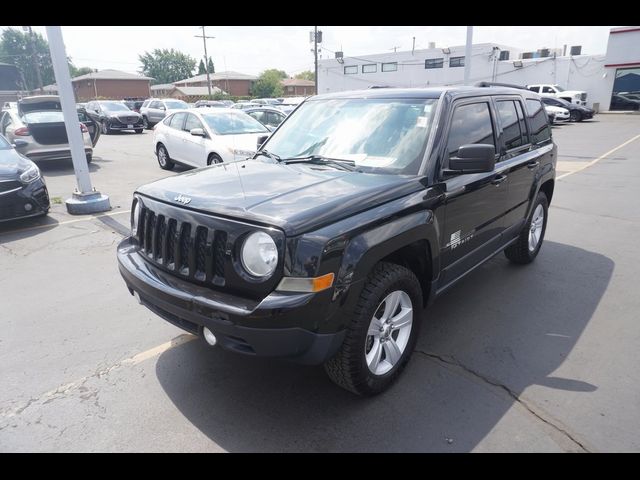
274 119
538 121
232 123
258 116
470 123
434 63
177 119
191 123
534 89
511 129
548 90
114 107
456 62
523 124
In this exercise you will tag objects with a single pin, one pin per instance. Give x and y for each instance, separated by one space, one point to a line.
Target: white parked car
578 97
204 136
558 114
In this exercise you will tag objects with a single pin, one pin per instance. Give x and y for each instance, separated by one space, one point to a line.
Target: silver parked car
36 127
153 110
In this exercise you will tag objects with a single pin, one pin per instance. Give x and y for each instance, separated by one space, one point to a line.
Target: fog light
209 336
28 207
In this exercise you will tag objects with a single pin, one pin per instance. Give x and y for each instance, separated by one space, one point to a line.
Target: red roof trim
631 64
637 29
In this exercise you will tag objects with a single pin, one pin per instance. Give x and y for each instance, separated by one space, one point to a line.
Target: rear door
175 136
518 157
155 114
474 212
194 147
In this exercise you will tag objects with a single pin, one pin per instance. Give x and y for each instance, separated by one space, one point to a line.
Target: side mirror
162 107
474 158
198 132
20 143
262 139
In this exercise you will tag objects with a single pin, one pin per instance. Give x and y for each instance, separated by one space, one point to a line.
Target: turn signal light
308 285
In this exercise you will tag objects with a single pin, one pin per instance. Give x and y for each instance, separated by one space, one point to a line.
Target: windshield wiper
267 154
348 165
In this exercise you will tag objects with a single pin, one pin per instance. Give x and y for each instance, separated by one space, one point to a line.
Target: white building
594 74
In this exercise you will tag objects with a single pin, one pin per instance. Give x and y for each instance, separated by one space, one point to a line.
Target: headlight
30 174
247 153
135 216
259 255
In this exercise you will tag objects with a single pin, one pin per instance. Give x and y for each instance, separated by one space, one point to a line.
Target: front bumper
15 204
117 125
241 325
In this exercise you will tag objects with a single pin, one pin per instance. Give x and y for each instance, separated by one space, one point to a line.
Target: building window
369 68
390 67
504 55
456 62
350 70
290 88
433 63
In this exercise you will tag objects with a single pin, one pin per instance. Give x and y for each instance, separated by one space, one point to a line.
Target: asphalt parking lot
536 358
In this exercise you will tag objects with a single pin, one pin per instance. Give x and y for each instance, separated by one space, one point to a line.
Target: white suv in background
572 96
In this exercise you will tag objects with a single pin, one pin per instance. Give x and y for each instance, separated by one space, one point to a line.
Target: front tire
575 116
138 130
164 160
105 129
526 249
213 159
145 123
382 334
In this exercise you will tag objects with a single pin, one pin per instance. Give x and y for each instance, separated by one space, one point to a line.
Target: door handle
498 180
532 165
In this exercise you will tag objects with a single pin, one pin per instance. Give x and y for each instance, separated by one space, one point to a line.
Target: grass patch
56 200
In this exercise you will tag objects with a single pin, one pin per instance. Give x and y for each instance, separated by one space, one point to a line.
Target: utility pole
467 55
315 56
32 47
395 49
85 199
206 58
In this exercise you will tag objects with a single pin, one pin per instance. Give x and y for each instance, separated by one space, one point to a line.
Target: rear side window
192 122
535 89
511 122
177 120
548 90
470 123
538 121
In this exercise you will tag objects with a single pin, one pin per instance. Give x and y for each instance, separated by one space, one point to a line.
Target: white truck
572 96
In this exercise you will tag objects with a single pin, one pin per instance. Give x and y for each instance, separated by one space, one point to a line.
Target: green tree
76 72
306 75
210 66
269 84
201 69
167 65
15 49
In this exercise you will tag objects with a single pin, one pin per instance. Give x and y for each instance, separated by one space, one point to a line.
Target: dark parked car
134 105
23 192
619 102
577 113
114 115
357 212
268 116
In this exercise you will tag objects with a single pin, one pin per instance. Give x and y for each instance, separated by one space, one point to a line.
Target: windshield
115 107
558 88
233 123
43 117
3 143
175 104
380 135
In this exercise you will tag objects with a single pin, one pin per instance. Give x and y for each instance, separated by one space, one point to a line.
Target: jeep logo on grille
182 199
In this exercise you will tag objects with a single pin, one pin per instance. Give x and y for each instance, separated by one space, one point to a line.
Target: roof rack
493 84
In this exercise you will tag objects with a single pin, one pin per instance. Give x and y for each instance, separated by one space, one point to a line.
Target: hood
296 198
554 109
247 141
12 164
39 103
130 114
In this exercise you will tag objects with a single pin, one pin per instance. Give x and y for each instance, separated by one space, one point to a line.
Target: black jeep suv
359 210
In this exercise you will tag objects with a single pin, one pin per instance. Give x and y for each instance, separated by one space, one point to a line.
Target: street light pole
85 199
206 58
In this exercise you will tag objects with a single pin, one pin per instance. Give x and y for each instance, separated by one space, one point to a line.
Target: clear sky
253 49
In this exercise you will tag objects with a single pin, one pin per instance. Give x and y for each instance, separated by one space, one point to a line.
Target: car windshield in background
43 117
379 135
232 123
115 107
560 89
4 144
175 104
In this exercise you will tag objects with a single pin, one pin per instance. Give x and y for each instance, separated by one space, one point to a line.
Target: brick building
110 84
295 87
233 83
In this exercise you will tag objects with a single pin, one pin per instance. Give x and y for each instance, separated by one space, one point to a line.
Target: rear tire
89 158
213 159
105 128
373 355
526 249
164 160
145 123
138 130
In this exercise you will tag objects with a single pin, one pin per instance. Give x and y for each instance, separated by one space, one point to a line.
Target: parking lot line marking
36 227
593 162
70 387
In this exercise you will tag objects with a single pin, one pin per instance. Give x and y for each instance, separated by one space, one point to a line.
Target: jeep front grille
192 251
583 96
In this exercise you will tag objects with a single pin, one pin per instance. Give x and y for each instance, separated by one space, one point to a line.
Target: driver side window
471 123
